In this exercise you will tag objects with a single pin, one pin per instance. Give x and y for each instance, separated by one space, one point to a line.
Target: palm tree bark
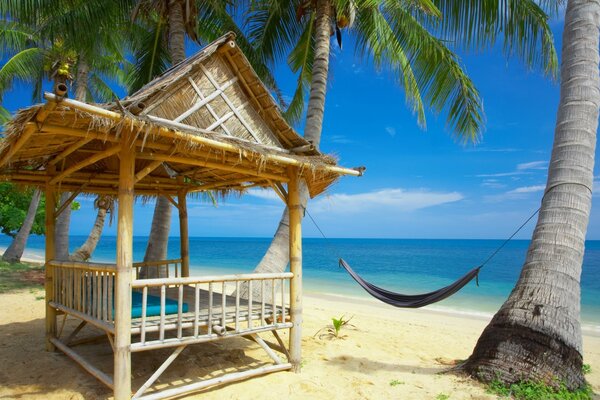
85 251
81 81
536 335
277 256
14 252
61 230
161 220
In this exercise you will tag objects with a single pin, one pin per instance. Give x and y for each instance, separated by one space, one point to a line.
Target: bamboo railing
173 267
216 309
85 290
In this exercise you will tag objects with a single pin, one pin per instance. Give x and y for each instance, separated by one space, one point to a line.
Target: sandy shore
389 353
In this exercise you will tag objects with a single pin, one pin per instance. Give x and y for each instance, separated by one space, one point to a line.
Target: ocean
402 265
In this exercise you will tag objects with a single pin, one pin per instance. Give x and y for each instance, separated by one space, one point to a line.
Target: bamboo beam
69 150
183 230
49 274
19 143
83 363
122 352
210 164
155 282
141 174
295 211
88 161
199 140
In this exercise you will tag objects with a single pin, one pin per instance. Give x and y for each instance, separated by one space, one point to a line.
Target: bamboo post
122 353
49 278
295 211
183 230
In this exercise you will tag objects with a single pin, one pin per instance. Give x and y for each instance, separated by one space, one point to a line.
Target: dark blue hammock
415 300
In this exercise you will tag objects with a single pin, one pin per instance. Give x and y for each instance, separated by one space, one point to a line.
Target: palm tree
14 252
536 334
408 37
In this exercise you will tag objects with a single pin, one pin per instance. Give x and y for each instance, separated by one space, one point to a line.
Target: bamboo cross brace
229 103
147 169
207 99
210 109
72 148
84 163
68 201
159 371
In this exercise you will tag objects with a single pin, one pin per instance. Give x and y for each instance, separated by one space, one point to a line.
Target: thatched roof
208 123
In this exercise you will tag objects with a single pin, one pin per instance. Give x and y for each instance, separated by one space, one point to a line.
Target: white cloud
533 165
390 130
499 175
339 139
527 189
394 199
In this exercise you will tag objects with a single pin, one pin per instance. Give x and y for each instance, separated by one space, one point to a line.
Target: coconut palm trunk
14 252
277 256
536 335
104 205
161 220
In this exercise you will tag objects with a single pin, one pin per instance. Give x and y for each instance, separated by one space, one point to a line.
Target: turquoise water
406 265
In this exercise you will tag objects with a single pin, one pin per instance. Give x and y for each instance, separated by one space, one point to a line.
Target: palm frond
151 56
376 39
273 28
522 25
439 74
300 61
15 37
25 66
99 90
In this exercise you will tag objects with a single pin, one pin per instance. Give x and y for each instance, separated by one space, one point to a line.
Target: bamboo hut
208 123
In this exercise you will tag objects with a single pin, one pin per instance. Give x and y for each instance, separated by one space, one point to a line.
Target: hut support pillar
295 210
49 278
184 239
122 353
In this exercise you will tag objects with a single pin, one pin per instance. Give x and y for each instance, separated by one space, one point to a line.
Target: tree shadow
359 364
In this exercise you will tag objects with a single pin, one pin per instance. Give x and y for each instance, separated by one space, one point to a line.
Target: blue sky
418 183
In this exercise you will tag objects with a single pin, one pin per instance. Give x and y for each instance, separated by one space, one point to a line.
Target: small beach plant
528 390
334 329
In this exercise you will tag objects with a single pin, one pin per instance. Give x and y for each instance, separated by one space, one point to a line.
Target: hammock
411 301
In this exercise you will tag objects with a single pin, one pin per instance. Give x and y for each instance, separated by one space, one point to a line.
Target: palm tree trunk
81 81
176 32
536 335
161 220
61 230
86 250
14 252
277 256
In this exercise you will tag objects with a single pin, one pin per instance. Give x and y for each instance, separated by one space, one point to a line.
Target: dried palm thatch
206 124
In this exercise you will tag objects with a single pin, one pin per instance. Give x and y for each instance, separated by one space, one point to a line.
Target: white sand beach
388 354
